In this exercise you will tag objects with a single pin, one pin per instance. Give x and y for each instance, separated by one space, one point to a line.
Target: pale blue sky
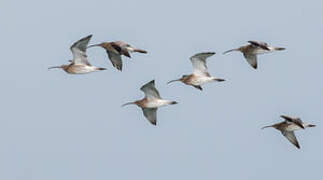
56 126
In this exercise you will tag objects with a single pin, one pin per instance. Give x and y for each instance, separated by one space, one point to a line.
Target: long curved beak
266 127
230 50
128 104
94 45
173 81
54 67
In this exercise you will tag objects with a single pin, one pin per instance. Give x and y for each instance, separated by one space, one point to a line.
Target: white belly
85 69
202 80
292 127
260 51
155 103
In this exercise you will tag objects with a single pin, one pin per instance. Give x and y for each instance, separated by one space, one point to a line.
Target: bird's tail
172 102
100 69
140 50
279 48
310 125
218 79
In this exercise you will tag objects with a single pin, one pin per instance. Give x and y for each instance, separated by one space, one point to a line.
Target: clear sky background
57 126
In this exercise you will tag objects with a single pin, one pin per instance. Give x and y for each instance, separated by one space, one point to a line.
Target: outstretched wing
150 90
79 51
251 59
150 114
199 63
296 121
290 135
262 45
115 59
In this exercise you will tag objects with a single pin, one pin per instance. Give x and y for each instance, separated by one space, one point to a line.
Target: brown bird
80 63
116 49
151 102
200 74
254 48
288 127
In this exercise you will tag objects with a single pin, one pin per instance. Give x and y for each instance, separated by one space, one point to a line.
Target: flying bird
200 74
150 103
80 63
116 49
254 48
288 127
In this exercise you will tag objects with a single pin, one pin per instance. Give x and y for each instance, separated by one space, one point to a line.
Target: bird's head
180 79
64 67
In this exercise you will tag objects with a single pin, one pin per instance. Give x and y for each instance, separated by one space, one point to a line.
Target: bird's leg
198 87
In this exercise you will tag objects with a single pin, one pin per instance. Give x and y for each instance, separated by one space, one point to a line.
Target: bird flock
200 75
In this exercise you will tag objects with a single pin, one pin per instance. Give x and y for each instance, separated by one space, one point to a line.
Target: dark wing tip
287 118
298 146
252 42
203 53
81 43
211 53
118 67
86 38
154 123
283 116
149 84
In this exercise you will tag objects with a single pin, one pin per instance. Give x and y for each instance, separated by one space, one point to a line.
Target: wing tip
152 82
285 117
118 68
254 66
209 53
89 36
297 145
154 123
